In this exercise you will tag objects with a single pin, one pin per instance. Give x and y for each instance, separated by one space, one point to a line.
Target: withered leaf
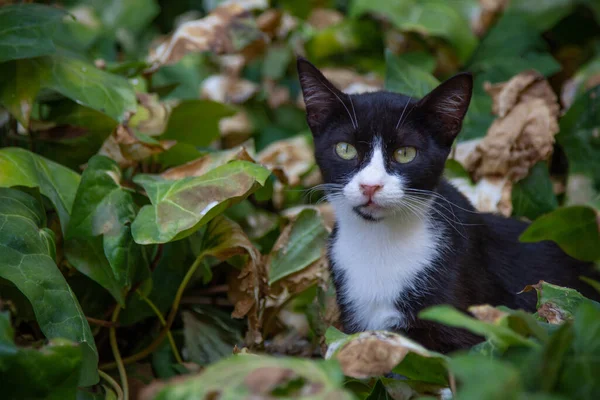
206 163
523 134
226 29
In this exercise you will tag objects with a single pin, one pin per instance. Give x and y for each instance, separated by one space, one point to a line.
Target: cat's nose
370 190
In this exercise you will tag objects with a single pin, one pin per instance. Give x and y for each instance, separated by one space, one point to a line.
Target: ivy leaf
302 245
574 229
102 207
26 30
196 122
181 207
19 167
82 82
247 376
500 335
19 85
534 195
50 372
406 78
431 17
578 135
27 262
376 353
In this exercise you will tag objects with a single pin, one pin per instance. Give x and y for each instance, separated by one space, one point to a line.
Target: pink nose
370 190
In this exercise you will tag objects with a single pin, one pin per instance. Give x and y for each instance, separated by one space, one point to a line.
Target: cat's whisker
438 195
403 111
453 224
353 110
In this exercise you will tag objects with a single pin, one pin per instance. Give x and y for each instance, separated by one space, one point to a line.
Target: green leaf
574 229
19 167
246 376
181 207
196 122
86 255
26 30
475 372
578 135
429 17
561 301
26 262
82 82
172 266
50 372
580 373
343 38
103 207
543 15
131 15
20 83
304 245
502 336
209 334
360 357
406 78
534 195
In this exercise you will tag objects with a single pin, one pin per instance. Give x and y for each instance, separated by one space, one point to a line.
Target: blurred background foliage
159 237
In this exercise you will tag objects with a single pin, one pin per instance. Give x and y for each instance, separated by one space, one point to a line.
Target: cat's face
379 153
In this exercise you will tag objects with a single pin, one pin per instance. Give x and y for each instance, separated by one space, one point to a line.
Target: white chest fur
379 262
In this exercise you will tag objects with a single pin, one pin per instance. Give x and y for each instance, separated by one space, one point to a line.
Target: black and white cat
405 238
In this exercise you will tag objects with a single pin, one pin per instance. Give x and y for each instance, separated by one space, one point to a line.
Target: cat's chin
370 213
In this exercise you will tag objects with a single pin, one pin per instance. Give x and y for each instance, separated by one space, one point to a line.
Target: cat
404 238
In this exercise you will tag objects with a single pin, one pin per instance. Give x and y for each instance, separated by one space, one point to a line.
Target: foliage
156 217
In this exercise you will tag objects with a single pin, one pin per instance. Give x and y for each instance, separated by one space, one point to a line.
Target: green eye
405 154
345 150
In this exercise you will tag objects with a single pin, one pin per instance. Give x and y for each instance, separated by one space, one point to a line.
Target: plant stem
117 355
163 323
112 383
163 333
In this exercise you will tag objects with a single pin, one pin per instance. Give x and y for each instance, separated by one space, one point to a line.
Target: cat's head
380 152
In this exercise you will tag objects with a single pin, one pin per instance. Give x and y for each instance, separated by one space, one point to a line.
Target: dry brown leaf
151 116
289 159
489 11
205 163
321 18
487 313
218 32
523 134
374 353
551 313
126 149
277 95
227 89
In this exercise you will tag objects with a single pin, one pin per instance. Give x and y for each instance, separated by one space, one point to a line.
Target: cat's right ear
320 95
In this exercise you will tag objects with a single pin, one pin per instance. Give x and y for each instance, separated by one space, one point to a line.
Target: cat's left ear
446 105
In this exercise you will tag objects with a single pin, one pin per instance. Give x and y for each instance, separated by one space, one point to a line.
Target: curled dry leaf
374 353
205 163
152 116
489 194
227 89
487 313
321 18
236 129
489 11
277 95
288 159
226 29
523 133
551 313
127 149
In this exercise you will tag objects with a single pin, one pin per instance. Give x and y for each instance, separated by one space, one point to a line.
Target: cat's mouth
370 211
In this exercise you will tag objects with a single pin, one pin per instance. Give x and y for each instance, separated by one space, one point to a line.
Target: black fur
484 262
